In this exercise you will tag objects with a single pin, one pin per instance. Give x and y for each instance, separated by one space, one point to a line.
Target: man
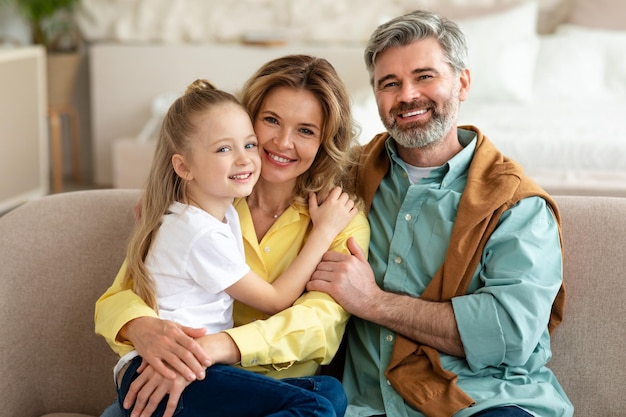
452 315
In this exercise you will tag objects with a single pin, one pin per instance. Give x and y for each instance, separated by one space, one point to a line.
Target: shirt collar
452 169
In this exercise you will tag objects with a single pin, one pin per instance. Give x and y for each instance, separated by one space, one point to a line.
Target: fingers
140 384
356 250
172 402
150 388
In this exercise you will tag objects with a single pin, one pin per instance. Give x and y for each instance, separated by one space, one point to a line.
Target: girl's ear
180 167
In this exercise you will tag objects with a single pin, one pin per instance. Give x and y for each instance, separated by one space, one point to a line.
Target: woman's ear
180 167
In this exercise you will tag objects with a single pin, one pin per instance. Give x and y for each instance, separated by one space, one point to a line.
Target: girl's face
223 161
289 128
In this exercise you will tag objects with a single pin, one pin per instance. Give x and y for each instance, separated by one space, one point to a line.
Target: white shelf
24 165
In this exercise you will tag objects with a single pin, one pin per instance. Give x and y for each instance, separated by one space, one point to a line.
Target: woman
301 116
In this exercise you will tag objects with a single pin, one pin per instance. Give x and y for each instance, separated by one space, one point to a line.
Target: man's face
418 93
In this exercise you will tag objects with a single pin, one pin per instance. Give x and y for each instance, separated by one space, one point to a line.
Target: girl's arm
329 219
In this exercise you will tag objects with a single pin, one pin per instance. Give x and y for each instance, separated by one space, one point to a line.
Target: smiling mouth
241 177
412 113
279 159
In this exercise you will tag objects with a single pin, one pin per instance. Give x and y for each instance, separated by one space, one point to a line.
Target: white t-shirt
192 260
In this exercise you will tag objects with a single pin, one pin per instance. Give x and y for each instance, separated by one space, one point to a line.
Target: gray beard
418 135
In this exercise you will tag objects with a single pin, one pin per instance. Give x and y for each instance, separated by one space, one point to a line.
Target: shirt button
254 361
266 249
398 260
407 217
389 338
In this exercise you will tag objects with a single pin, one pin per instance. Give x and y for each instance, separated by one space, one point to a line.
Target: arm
350 280
522 275
521 262
309 333
310 330
329 219
121 316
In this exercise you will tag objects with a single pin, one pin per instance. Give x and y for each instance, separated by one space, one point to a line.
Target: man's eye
388 85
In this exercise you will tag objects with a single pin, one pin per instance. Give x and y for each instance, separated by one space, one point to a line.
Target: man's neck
435 154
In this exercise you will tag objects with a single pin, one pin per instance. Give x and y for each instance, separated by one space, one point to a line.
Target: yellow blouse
291 343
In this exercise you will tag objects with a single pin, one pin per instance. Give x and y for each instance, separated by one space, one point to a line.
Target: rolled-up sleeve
507 312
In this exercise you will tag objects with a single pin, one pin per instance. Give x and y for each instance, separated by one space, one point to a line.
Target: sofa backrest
589 358
58 254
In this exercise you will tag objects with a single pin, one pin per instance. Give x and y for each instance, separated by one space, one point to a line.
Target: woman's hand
168 347
150 387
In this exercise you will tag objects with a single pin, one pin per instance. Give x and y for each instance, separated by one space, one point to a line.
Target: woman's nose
283 139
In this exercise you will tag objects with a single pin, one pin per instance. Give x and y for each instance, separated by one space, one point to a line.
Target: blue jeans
507 411
230 391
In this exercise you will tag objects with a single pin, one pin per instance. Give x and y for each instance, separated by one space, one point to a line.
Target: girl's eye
251 145
223 149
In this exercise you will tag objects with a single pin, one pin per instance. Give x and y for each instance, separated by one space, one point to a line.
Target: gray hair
414 26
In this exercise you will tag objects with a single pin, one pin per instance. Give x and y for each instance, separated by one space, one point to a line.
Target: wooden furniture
56 115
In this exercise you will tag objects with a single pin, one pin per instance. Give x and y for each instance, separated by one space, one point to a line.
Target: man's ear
465 79
180 167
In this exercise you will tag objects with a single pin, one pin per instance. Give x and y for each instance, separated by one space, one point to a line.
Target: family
268 240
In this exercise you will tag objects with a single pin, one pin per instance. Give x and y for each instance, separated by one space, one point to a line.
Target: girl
185 258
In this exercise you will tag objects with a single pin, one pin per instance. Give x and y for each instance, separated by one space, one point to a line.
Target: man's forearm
427 322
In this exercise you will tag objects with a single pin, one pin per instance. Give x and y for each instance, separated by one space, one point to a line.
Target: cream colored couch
59 253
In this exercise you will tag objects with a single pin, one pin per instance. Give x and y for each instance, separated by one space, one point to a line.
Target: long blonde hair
164 186
303 72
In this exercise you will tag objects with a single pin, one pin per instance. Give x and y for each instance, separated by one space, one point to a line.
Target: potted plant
52 25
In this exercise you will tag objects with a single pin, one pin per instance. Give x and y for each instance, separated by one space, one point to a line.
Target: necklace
269 213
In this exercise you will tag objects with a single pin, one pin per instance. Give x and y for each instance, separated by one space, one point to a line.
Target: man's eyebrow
416 71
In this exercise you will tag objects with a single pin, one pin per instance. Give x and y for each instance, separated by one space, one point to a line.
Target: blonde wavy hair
335 157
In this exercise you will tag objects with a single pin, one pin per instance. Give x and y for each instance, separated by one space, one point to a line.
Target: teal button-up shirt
502 319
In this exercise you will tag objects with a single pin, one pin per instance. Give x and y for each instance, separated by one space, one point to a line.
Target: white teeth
241 176
413 113
279 159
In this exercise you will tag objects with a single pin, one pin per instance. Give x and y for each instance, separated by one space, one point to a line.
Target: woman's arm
311 330
121 316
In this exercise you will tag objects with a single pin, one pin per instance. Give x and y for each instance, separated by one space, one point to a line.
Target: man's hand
349 279
168 347
149 389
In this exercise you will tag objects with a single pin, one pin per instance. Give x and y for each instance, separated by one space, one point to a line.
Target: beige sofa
59 253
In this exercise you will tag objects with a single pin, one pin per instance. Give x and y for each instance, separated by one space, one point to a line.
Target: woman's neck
271 199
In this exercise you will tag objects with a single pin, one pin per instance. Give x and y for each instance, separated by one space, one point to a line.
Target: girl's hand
334 214
149 389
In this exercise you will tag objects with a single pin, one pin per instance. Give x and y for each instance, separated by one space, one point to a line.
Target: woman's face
288 127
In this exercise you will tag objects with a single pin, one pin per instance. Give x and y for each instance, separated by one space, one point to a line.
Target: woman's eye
307 132
271 120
